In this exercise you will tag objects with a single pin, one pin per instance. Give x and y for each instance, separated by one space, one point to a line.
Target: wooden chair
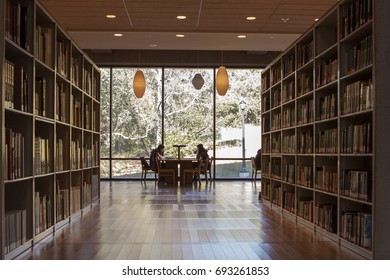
210 164
255 169
205 169
145 168
194 170
164 172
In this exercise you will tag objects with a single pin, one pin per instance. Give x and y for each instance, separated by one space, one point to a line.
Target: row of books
276 195
60 166
305 208
288 118
75 154
42 156
357 96
15 229
75 199
275 97
289 201
16 87
358 13
61 96
356 139
288 65
62 57
326 72
276 75
327 107
305 53
87 193
360 55
42 212
288 91
326 217
43 44
62 202
289 173
326 141
266 103
305 142
75 73
14 154
356 227
288 145
276 143
276 120
305 176
40 96
276 169
327 179
356 184
16 24
305 112
87 81
305 83
75 110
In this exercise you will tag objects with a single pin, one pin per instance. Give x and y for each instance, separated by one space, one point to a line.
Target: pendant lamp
198 81
222 81
139 84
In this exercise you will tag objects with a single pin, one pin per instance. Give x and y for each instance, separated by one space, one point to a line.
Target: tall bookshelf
50 128
325 142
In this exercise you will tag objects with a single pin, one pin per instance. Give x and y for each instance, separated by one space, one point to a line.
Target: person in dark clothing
155 155
258 159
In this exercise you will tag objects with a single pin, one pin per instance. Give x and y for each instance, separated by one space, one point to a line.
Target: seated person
202 156
258 159
156 154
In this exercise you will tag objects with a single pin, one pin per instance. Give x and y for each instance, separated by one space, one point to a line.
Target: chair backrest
144 163
253 163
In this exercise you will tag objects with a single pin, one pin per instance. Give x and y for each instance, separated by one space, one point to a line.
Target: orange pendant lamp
222 80
139 84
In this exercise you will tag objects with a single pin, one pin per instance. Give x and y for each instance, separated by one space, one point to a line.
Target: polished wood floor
221 220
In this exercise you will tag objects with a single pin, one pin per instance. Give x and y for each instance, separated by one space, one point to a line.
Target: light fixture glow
241 36
118 34
222 80
110 16
181 17
250 18
317 19
285 20
153 45
180 35
139 84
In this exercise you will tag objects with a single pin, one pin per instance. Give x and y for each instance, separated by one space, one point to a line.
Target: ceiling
210 24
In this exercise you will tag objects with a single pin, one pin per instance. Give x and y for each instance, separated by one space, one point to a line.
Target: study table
179 165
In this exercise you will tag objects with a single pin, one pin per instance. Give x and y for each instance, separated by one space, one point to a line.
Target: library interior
195 130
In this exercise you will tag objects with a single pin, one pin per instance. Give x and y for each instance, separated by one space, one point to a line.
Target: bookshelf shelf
53 89
337 174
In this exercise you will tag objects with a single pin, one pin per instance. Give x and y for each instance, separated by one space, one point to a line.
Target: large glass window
175 112
231 131
188 111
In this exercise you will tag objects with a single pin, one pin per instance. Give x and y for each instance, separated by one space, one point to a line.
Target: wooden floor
223 220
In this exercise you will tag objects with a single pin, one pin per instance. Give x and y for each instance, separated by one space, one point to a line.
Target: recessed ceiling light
180 35
241 36
317 19
153 45
285 19
271 36
110 16
118 34
181 17
251 18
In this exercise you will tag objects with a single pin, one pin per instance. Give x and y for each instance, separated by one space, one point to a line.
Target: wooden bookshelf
50 117
330 170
